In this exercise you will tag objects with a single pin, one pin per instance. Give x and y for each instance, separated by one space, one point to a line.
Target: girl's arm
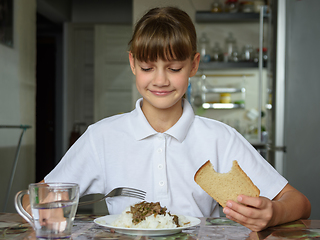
260 213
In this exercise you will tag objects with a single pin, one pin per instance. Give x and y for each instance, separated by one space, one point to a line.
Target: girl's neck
162 119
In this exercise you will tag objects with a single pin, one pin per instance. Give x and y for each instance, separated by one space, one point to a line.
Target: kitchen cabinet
245 81
209 17
227 65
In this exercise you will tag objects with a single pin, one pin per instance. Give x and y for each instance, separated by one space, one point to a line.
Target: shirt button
159 150
160 166
161 183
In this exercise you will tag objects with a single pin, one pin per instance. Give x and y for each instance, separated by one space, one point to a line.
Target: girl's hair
166 33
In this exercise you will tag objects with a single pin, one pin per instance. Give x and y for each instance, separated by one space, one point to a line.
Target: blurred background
64 65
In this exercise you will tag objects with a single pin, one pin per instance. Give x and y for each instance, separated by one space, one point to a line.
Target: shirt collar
142 128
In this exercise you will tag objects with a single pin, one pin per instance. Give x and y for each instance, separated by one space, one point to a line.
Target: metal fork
121 191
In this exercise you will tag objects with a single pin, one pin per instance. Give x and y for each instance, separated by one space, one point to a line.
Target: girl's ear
131 60
195 64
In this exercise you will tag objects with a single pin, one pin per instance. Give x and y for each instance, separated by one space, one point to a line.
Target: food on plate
149 215
225 186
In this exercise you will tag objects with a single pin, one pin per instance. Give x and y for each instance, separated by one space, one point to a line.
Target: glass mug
53 207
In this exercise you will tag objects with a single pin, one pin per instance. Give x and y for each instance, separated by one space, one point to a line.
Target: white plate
107 220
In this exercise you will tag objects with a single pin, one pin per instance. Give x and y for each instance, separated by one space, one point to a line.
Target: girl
160 145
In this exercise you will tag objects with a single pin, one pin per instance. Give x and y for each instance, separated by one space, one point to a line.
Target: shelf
223 106
203 75
226 65
223 90
209 17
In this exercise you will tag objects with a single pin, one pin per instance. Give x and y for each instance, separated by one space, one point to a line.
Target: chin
163 104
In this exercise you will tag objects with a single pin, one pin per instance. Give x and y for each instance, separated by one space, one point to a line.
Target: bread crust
225 186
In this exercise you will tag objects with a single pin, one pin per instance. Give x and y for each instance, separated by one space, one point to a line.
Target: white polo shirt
124 150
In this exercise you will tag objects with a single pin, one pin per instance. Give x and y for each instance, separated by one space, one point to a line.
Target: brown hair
166 33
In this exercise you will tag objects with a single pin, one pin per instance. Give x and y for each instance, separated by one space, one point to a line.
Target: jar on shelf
247 53
230 44
264 55
235 56
231 6
216 6
247 7
204 45
216 53
225 98
258 4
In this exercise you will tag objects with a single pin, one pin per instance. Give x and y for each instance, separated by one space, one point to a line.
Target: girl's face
163 83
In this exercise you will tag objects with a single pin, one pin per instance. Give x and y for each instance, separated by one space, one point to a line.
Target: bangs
161 42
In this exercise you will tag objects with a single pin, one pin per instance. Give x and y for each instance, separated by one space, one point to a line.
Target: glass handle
20 209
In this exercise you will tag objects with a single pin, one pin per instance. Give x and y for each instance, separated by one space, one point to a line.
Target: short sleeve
260 171
81 164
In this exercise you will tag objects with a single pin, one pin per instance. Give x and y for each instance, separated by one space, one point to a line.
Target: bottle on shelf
204 45
235 55
230 45
216 6
231 6
247 53
216 53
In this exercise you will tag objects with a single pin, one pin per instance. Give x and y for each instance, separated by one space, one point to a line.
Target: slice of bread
225 186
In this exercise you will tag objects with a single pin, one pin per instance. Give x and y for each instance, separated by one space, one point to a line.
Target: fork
121 191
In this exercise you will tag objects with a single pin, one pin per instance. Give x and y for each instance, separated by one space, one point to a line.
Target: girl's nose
161 79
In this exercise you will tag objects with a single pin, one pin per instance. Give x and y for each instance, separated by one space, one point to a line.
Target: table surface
12 226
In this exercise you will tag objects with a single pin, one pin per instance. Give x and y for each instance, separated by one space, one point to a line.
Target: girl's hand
258 213
255 213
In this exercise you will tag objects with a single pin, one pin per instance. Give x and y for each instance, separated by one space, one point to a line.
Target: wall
55 10
17 101
97 11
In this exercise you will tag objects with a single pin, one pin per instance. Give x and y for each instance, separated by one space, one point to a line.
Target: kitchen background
68 67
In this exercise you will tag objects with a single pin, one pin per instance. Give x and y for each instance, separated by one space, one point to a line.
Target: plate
107 220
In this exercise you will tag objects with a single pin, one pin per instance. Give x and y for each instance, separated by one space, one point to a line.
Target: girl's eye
146 69
175 69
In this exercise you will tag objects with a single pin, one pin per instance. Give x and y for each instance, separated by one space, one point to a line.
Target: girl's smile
161 93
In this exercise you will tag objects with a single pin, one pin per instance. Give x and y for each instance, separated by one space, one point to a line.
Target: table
12 226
